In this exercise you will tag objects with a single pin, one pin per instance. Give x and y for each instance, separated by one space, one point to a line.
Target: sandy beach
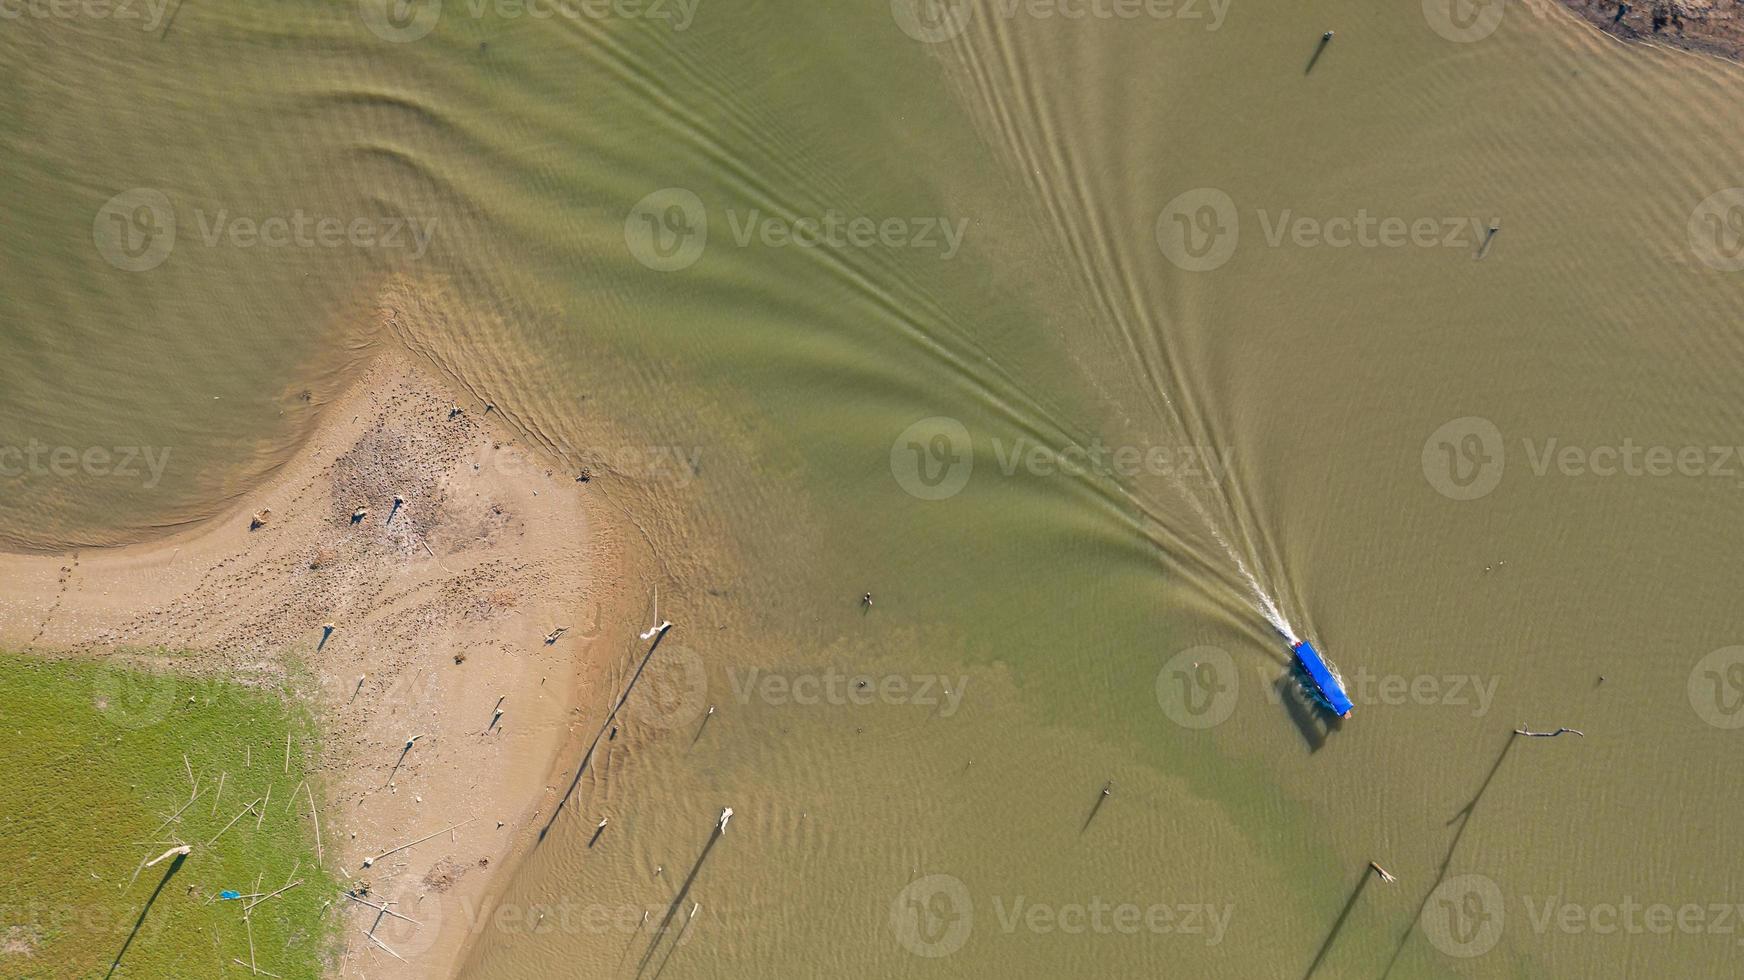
485 588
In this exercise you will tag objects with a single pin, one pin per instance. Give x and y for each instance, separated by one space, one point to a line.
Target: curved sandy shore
443 612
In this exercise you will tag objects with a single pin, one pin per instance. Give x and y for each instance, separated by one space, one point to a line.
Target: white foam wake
1262 599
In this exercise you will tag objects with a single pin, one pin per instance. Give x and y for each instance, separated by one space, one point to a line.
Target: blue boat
1326 684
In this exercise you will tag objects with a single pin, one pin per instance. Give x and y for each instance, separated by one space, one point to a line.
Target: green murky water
1077 341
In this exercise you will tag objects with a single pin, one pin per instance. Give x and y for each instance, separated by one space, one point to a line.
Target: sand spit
441 604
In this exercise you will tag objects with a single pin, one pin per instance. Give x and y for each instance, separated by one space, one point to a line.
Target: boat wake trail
1262 599
1273 614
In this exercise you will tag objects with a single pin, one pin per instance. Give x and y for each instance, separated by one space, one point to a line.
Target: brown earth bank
1710 26
484 588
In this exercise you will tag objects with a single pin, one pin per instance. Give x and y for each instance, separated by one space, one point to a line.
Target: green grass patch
92 775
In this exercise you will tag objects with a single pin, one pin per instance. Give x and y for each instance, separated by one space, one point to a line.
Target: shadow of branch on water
678 902
1464 816
587 757
1101 798
1338 924
1319 49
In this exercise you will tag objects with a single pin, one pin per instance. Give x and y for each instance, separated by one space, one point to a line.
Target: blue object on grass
227 894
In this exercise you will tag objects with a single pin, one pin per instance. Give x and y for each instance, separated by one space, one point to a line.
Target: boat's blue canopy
1329 687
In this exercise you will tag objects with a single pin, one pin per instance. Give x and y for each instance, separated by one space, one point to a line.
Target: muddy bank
1710 26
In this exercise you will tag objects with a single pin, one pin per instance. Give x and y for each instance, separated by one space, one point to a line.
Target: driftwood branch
174 816
263 898
317 818
372 860
381 908
183 850
371 937
233 820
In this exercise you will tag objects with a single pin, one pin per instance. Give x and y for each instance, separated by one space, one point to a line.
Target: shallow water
1283 418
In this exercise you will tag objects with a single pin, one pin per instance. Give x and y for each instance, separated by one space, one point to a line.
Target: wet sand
441 609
